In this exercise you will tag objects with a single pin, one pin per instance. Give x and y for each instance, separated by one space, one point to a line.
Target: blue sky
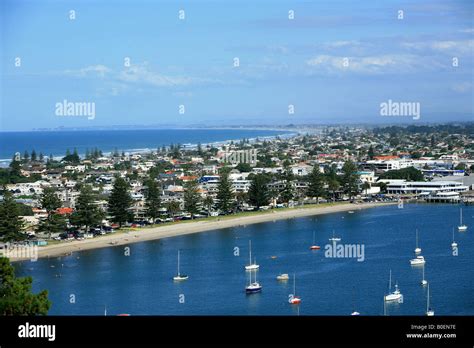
190 62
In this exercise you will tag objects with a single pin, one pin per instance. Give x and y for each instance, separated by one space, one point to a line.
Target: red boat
315 247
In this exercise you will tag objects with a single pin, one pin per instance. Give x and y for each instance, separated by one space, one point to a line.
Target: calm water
56 142
142 282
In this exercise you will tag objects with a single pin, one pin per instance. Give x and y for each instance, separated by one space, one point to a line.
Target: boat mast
250 252
417 238
178 263
460 218
390 282
428 299
294 285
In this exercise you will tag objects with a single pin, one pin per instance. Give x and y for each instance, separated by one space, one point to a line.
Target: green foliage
315 184
243 167
119 202
86 213
152 199
191 197
71 158
16 297
350 178
258 193
225 193
409 174
11 224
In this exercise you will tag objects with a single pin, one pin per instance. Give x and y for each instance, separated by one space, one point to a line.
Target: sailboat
461 227
429 311
334 239
314 246
419 260
283 277
395 295
180 276
423 280
417 249
253 287
454 244
294 299
251 266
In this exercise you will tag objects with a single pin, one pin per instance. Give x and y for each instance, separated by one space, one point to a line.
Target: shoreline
190 227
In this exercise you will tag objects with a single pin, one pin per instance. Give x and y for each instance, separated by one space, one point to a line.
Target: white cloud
370 64
92 70
139 73
447 46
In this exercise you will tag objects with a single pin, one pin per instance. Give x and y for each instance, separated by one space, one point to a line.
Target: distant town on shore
78 197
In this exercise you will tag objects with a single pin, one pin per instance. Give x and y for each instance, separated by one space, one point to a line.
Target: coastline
189 227
284 133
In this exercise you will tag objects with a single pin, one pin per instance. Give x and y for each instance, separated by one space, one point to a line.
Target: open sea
141 283
56 142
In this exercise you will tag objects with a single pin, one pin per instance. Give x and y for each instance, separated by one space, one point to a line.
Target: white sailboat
294 299
253 287
395 295
462 227
418 261
179 276
283 277
417 249
454 244
334 238
251 266
423 280
429 311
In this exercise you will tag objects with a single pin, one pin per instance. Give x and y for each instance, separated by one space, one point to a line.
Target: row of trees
88 214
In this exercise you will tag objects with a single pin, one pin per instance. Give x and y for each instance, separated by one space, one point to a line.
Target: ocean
141 283
57 142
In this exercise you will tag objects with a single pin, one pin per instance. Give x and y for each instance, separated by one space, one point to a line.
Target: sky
299 62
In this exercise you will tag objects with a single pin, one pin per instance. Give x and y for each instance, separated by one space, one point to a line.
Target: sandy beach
182 228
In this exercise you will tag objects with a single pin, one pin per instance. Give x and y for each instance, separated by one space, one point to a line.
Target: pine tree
16 297
41 157
192 197
258 192
54 222
26 156
371 152
315 184
287 194
350 178
208 202
11 224
225 193
152 199
119 202
33 156
86 213
172 208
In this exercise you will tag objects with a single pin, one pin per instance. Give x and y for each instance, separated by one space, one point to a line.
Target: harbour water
141 283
